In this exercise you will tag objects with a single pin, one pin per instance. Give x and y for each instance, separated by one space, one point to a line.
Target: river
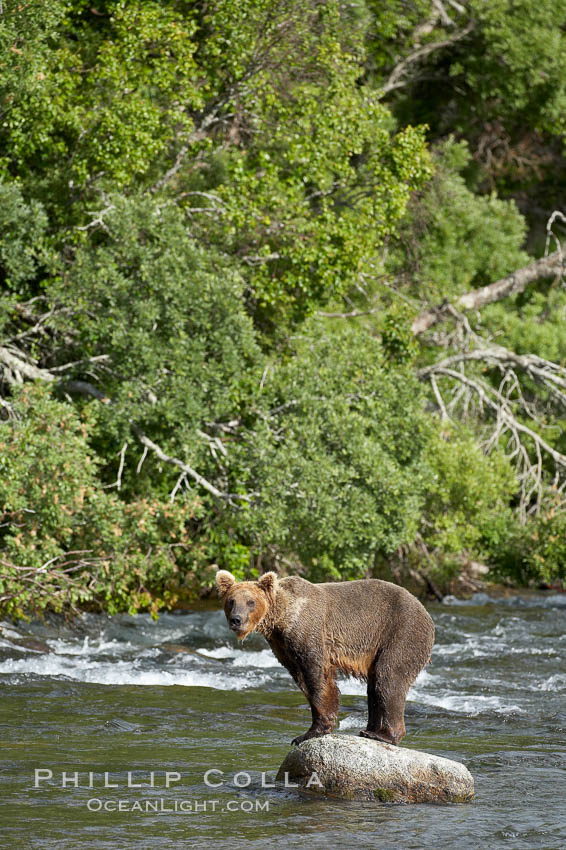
202 723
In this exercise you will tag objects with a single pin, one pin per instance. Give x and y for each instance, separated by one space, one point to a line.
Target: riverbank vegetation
281 287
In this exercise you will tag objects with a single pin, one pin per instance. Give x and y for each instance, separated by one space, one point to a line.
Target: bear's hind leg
386 702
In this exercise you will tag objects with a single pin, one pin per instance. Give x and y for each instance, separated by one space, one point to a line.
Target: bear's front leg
319 687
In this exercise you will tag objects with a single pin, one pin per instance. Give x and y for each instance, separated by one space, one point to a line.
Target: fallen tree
487 381
513 284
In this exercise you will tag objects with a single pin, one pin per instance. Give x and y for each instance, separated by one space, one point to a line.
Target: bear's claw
307 735
374 736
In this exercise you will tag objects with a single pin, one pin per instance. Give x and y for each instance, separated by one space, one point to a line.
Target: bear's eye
251 603
231 603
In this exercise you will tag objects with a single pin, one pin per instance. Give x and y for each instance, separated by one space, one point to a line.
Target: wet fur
370 629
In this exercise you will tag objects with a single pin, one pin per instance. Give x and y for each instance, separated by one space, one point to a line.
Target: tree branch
529 472
544 371
398 77
352 315
188 470
513 284
197 135
16 368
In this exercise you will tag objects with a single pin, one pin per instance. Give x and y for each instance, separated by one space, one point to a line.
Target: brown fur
370 629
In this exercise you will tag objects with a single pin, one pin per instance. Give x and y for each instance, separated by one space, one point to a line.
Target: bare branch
142 458
439 400
180 480
16 367
36 328
537 367
188 470
7 407
550 266
352 315
399 76
197 135
498 401
215 444
98 220
264 376
259 259
217 208
58 580
118 483
99 358
550 234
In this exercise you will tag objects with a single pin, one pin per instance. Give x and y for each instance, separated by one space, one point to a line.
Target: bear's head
245 602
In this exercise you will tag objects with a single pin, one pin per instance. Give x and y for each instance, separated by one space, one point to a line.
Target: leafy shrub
453 240
338 456
535 553
64 539
467 505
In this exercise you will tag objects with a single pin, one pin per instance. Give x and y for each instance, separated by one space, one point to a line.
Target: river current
124 732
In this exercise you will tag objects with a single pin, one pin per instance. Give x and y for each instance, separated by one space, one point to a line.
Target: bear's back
353 619
361 592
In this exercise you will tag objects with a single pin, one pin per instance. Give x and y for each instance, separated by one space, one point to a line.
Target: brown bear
371 629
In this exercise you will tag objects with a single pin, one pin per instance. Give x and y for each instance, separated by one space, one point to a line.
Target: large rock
359 768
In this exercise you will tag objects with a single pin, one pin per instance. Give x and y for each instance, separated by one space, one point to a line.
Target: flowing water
92 711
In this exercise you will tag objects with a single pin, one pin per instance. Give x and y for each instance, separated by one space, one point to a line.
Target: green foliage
396 336
170 319
101 92
338 459
22 238
454 240
182 186
518 70
491 72
313 179
535 553
532 322
390 28
279 157
510 67
27 31
65 540
467 505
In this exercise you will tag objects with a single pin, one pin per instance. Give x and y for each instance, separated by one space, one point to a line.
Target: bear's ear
268 582
224 581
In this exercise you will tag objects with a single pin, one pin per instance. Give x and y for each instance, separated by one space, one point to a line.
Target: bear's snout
235 623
